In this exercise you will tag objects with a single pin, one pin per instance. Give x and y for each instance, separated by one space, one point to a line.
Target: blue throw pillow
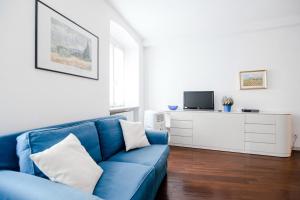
110 136
39 140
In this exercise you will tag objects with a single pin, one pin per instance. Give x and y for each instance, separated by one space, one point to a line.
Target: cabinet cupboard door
221 131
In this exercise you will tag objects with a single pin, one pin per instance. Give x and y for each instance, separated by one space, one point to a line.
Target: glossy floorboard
204 174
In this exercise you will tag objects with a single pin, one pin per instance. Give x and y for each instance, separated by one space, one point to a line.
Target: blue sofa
136 174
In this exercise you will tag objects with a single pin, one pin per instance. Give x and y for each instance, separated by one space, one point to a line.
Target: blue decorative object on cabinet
172 107
227 108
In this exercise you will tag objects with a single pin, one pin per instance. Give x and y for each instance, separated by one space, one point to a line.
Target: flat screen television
203 100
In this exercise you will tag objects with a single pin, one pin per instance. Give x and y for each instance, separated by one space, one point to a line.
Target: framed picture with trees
64 46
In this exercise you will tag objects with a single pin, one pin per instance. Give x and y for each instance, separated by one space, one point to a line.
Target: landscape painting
70 47
253 79
64 46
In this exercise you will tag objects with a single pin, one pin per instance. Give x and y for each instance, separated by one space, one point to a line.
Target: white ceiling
159 19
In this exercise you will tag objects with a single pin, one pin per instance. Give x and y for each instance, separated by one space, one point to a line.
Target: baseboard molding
296 148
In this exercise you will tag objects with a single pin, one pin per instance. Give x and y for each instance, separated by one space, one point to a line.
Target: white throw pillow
69 163
134 135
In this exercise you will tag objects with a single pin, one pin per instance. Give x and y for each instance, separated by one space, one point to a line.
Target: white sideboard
253 133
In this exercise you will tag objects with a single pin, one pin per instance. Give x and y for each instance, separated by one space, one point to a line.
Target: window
117 83
124 68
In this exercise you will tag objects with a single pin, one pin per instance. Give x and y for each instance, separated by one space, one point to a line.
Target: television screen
198 100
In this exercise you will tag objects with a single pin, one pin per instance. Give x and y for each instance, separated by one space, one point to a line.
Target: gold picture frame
253 79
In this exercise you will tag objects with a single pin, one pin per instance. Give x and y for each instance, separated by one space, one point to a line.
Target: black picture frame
37 2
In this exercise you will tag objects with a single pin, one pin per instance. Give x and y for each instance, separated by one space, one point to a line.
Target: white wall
31 98
213 63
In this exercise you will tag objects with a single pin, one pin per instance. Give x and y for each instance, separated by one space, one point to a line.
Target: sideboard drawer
260 128
259 147
258 137
181 131
260 119
181 124
181 140
181 115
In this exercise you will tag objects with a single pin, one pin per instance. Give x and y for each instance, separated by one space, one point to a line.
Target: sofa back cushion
110 136
8 157
39 140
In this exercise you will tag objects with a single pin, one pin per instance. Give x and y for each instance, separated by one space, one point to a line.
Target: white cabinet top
215 111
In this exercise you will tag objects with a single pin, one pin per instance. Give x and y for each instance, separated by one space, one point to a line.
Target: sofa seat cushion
154 155
38 140
125 181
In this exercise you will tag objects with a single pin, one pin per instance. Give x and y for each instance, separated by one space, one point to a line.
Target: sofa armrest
20 186
157 137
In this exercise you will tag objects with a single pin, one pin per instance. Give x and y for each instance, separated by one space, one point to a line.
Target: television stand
254 133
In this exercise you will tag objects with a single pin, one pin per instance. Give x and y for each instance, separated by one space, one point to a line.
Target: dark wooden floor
204 174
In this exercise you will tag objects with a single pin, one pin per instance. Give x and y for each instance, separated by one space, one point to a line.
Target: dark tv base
198 109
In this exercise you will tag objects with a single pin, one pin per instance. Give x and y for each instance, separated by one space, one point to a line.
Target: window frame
114 44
